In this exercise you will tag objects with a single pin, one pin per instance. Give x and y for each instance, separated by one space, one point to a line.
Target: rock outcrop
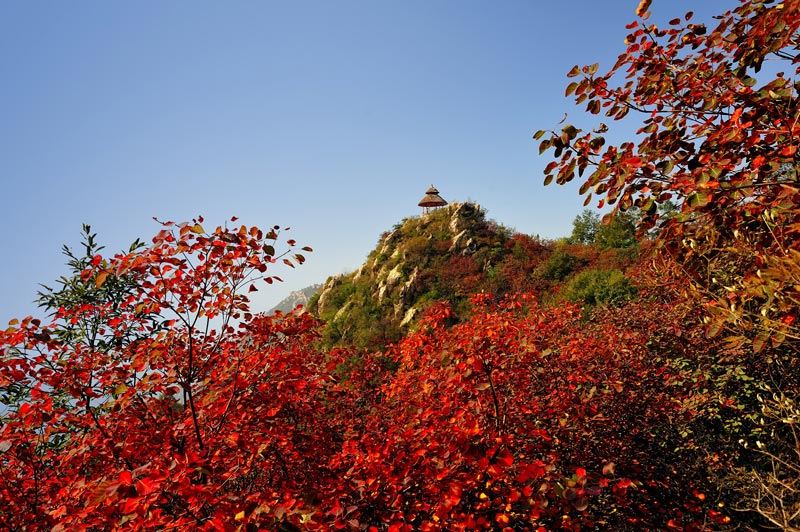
298 297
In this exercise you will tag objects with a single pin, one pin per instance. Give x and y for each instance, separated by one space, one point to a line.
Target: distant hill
298 297
449 255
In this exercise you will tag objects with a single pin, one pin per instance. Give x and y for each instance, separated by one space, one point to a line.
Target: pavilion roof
432 198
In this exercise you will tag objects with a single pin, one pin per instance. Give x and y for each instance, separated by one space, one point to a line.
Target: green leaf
760 341
698 199
597 143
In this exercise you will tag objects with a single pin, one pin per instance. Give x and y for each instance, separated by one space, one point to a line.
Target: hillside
446 255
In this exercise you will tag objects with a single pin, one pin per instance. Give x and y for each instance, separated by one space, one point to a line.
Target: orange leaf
641 10
100 279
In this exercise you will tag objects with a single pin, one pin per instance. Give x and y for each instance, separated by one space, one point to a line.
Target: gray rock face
298 297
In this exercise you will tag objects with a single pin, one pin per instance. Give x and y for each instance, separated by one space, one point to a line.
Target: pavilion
432 200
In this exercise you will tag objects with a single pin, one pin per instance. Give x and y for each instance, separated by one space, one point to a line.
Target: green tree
559 266
102 293
585 227
102 289
618 232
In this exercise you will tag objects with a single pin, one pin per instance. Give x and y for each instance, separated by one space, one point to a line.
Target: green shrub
313 301
428 297
417 247
600 287
559 266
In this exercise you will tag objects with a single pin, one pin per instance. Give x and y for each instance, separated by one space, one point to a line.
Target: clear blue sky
330 117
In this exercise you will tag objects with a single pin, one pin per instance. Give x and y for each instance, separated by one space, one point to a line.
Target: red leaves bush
718 139
189 423
518 417
524 417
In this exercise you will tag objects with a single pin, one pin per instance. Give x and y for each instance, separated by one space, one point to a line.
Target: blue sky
329 117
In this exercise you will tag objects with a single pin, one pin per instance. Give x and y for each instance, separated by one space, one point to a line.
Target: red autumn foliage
517 417
170 405
526 417
190 424
718 137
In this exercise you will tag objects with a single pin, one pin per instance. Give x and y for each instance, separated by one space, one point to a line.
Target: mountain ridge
295 298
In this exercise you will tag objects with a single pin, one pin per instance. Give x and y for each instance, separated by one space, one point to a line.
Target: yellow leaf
239 516
197 228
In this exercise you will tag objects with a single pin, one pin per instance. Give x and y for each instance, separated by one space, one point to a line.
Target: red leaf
505 458
625 483
145 486
125 478
130 505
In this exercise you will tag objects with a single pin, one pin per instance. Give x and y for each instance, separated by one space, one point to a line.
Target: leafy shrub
417 247
559 266
600 287
313 302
